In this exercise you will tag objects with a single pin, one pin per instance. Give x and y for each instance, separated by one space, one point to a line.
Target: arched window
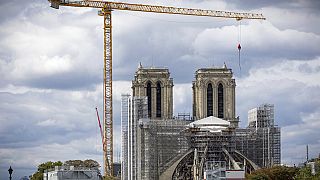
209 100
149 98
220 101
158 96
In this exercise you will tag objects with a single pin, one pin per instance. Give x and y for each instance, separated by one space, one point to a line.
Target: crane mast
105 11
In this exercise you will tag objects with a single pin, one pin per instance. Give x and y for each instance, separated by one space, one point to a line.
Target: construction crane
101 133
105 11
99 122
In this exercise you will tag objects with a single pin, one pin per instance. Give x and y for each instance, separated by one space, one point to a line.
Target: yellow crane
105 11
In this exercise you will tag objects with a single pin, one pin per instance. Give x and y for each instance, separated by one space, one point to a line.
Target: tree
89 163
42 167
305 172
276 172
75 163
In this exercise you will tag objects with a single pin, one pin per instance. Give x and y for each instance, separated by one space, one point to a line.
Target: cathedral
213 92
209 145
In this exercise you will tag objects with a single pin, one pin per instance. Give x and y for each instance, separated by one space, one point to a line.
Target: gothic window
220 101
209 100
149 98
158 96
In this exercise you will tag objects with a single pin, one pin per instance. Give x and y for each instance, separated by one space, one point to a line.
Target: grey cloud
251 4
36 33
56 112
289 103
26 112
73 80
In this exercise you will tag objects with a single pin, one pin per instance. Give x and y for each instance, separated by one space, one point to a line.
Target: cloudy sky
51 71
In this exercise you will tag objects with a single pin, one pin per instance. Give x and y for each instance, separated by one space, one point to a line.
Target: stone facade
156 84
214 94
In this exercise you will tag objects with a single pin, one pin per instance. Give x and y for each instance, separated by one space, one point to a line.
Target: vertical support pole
107 93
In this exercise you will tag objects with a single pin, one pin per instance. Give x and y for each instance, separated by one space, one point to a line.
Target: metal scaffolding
125 114
160 144
261 145
173 148
208 147
132 109
260 141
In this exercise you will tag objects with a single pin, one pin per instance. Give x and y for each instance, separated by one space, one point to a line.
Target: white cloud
306 72
258 39
182 98
290 85
296 137
293 87
34 50
42 66
295 18
51 72
24 158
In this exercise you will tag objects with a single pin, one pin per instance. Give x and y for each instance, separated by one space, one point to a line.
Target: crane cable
239 41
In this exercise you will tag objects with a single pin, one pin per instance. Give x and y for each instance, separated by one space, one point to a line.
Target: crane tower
105 10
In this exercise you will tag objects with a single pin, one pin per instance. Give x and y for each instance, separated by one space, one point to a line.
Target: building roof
211 123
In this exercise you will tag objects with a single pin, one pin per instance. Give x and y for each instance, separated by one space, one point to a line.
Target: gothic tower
214 94
156 84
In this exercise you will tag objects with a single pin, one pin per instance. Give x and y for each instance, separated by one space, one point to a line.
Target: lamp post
10 172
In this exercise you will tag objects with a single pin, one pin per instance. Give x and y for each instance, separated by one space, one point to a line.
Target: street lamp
10 172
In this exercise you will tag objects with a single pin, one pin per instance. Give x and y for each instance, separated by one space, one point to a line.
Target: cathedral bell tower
156 84
214 94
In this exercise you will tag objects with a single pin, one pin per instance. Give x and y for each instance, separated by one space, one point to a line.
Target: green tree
110 178
276 172
50 165
75 163
42 167
305 172
258 177
79 163
91 163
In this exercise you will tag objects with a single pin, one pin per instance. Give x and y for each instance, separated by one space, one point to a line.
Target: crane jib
155 9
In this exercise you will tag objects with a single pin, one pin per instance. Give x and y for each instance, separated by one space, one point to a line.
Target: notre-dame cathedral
210 144
213 92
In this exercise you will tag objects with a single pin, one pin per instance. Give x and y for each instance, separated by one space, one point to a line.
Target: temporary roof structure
211 123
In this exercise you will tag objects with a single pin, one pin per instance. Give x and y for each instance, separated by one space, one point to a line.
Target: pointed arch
158 100
149 95
220 101
209 100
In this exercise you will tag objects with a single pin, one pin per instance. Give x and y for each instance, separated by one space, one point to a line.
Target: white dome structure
211 123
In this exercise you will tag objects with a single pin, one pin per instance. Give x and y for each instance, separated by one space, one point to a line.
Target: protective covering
211 123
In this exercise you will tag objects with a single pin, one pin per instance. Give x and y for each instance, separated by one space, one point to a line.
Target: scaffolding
261 145
132 109
260 141
156 146
140 111
160 144
262 116
163 143
184 116
208 147
125 114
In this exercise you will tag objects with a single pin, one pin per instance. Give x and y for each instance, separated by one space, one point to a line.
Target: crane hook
239 48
